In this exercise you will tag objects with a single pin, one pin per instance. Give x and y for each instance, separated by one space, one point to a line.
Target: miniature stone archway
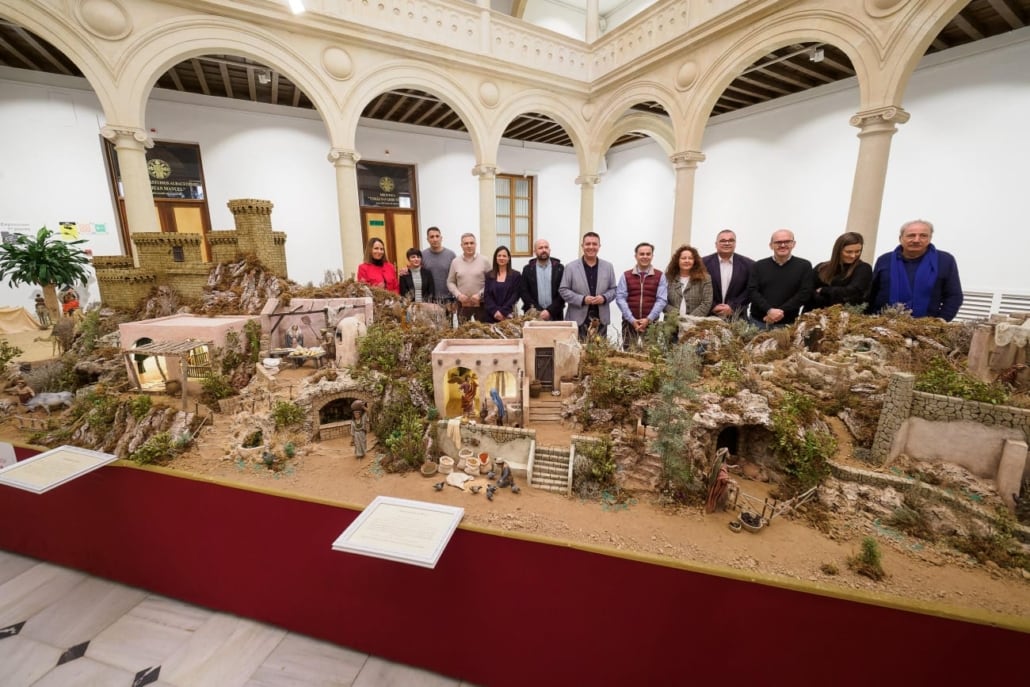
327 423
482 358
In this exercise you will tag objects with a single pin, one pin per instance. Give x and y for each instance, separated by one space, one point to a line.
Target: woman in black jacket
844 278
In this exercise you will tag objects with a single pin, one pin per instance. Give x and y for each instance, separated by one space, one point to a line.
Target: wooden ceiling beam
428 113
275 88
967 28
198 69
11 49
1006 13
791 64
41 49
223 69
252 84
760 84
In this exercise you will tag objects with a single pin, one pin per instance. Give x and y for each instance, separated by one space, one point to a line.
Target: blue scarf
916 297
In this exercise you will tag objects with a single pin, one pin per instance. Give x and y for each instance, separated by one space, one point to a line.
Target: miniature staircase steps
545 408
643 475
551 470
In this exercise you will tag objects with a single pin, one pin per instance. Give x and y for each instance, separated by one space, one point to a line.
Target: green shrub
940 377
803 452
868 561
289 450
140 406
215 387
154 449
8 352
287 414
380 348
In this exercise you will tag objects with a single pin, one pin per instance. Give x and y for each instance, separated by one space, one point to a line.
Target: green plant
8 353
404 443
868 561
602 464
380 348
154 449
45 260
215 387
803 451
287 414
671 423
89 332
139 406
911 517
939 377
289 449
252 333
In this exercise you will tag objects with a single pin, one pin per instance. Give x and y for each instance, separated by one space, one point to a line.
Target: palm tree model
46 261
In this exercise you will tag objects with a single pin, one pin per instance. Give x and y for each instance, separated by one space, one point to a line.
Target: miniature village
882 453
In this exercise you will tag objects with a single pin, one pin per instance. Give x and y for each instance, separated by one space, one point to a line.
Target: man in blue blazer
730 274
588 288
917 275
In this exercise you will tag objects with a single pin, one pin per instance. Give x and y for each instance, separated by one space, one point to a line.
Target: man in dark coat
546 271
730 273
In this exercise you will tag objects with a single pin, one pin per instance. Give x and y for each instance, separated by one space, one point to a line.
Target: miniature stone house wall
483 357
179 328
989 440
177 260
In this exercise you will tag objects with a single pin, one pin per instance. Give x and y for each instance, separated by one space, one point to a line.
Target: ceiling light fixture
297 6
816 55
264 77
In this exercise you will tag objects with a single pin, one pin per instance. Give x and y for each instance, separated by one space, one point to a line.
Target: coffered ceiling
790 69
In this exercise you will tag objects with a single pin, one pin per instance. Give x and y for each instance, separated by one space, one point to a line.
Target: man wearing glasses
730 273
779 285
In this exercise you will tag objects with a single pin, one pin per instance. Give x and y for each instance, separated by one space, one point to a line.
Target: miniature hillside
794 408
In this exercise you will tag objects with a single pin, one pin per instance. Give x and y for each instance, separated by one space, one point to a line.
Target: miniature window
177 254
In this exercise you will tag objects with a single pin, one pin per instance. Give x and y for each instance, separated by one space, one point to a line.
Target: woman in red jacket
376 270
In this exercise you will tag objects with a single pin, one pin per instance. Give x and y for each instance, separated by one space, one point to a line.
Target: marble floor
63 628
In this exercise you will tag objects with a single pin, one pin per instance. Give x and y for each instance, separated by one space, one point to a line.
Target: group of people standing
771 292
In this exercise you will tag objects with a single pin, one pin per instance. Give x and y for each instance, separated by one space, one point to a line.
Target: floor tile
380 673
25 660
85 672
171 613
82 613
135 643
29 593
224 652
300 660
12 565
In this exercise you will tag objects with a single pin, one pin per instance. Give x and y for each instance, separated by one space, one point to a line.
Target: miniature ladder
550 469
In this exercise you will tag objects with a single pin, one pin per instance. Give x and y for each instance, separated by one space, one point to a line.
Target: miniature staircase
544 408
551 470
643 474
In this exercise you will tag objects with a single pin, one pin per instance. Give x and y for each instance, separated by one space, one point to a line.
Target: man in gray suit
587 287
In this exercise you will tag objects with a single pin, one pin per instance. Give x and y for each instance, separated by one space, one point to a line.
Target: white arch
545 103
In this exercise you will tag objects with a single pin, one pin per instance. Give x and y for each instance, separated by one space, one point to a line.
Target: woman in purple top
502 287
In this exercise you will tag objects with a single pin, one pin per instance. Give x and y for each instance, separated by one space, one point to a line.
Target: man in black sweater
779 285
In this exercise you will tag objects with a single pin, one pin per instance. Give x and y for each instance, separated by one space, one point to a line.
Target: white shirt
725 274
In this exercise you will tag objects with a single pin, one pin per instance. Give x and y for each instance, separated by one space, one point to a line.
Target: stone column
876 127
593 27
897 405
683 207
345 162
587 182
130 145
487 209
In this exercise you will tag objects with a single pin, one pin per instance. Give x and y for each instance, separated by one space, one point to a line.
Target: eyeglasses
783 244
727 240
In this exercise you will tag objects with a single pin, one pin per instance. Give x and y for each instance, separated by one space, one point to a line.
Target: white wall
959 162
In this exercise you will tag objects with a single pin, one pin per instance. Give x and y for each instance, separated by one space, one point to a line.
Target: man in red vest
641 295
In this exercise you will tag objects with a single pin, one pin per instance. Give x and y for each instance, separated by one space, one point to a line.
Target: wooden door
544 368
395 228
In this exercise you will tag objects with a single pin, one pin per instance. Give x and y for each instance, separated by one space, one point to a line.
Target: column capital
123 134
687 159
485 171
342 157
588 179
889 115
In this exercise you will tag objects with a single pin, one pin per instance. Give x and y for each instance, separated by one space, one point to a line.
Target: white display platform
401 530
53 468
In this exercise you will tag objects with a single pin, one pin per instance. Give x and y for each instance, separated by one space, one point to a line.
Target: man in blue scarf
917 276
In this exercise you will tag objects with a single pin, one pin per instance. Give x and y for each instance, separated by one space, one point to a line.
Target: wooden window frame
508 238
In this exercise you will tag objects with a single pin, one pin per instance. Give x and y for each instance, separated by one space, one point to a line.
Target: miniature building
489 363
319 319
182 261
552 351
999 348
175 348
